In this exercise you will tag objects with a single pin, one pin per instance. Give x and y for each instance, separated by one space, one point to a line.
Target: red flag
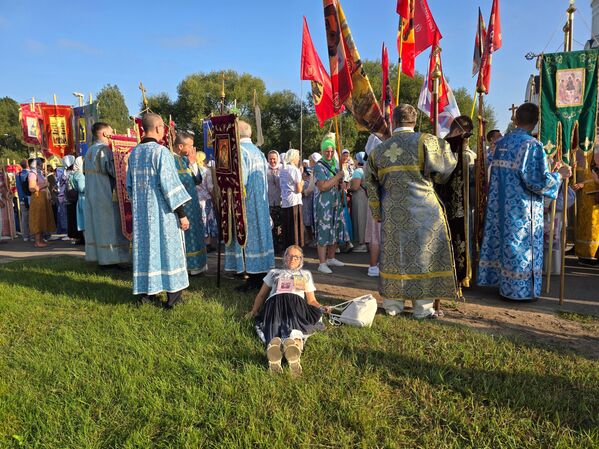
418 32
341 81
58 129
426 32
493 43
479 43
313 70
406 37
386 91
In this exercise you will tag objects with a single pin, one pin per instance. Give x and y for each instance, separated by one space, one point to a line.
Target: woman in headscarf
67 196
287 312
292 186
41 217
328 209
308 195
77 183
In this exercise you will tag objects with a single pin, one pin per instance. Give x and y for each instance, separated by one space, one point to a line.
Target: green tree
11 144
161 104
112 108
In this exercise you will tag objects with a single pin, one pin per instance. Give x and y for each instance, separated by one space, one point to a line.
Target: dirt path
544 322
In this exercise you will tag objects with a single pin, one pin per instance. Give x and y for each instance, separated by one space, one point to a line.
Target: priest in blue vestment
157 197
104 240
511 255
190 176
258 256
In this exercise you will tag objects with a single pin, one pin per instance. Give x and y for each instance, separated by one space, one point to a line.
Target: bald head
245 129
153 125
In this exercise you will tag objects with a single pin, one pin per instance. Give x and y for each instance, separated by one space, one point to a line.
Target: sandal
293 352
274 355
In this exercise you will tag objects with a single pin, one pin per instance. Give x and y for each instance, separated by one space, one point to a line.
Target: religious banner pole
399 38
338 137
301 145
568 30
436 75
218 195
143 96
479 176
80 96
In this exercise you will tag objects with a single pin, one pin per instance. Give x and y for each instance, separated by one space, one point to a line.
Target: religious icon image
317 92
82 130
32 128
570 87
223 152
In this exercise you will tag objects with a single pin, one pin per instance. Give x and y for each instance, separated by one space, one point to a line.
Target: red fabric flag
32 124
479 43
493 43
426 32
406 36
312 70
341 81
386 91
58 128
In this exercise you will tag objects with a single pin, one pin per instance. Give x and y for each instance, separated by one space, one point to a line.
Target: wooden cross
143 95
513 109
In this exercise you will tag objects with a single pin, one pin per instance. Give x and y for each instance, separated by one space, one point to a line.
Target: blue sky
65 46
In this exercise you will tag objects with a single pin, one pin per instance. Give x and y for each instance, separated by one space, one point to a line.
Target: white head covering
68 160
290 155
372 142
78 165
315 157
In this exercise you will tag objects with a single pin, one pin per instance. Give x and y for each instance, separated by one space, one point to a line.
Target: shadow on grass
61 280
549 397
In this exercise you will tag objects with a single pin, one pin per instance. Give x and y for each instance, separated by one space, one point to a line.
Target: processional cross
143 95
514 108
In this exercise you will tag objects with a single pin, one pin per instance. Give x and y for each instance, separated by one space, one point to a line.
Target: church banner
229 178
84 118
568 101
121 148
32 123
58 129
208 139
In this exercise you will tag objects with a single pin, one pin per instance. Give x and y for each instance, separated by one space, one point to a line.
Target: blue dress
258 256
511 255
158 245
195 246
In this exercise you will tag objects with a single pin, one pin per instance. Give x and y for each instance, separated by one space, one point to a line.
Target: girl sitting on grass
287 312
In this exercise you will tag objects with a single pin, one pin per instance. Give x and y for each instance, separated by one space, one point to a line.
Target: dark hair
183 136
491 133
23 163
527 114
98 127
464 123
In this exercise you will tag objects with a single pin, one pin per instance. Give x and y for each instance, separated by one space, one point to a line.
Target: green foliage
112 108
11 143
82 367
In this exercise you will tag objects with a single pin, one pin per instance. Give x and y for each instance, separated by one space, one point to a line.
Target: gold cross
549 147
587 143
143 95
394 152
513 109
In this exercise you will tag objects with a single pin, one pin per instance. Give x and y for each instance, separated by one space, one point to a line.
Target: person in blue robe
104 240
157 197
195 245
511 255
258 256
78 181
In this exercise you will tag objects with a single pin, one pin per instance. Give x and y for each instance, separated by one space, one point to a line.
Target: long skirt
72 230
358 214
277 229
209 218
373 229
41 217
293 226
284 313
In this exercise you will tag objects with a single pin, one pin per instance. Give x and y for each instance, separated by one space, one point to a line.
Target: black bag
25 185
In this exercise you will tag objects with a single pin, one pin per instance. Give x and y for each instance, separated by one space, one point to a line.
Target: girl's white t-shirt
297 282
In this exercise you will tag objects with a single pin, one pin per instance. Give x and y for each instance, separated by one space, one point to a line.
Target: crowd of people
408 201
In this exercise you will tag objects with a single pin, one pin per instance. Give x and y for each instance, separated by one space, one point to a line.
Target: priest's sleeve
172 189
439 161
535 173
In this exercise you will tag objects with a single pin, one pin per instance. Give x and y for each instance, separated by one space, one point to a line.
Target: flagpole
568 29
436 75
301 145
479 173
338 137
399 32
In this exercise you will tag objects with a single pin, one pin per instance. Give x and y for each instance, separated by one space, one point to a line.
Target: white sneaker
373 271
360 249
335 263
323 268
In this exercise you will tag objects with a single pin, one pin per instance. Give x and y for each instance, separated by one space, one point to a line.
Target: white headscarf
68 160
78 165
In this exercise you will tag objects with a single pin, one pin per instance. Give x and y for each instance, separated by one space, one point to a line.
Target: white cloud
183 41
78 46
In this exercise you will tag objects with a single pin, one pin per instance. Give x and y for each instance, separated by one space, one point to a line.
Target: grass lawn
81 367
